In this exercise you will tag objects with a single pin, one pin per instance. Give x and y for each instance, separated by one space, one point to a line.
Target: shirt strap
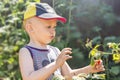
28 48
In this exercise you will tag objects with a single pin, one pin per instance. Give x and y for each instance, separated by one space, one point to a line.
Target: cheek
38 29
42 32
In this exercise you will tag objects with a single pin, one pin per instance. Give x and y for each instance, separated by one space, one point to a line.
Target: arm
86 70
27 69
97 67
68 72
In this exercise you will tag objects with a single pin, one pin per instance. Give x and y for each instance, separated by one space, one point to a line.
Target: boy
38 60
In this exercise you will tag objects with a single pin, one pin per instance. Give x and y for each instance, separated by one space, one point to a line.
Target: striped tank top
43 57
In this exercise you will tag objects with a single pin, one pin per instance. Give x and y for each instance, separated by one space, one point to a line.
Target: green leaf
37 1
15 48
115 70
21 1
58 77
92 61
10 66
10 60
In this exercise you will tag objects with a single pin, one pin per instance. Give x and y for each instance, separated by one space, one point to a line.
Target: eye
48 26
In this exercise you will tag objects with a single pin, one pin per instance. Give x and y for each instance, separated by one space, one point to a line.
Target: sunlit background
96 20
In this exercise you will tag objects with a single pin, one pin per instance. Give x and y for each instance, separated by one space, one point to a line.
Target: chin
48 42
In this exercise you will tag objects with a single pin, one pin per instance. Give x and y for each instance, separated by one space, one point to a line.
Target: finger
67 49
67 52
102 69
98 62
68 57
98 66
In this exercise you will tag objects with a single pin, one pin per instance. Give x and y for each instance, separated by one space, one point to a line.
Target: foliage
86 19
81 76
96 54
115 51
11 38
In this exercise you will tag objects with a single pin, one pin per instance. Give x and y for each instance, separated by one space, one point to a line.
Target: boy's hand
64 55
98 66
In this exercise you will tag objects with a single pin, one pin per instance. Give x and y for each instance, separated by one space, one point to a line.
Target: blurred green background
96 20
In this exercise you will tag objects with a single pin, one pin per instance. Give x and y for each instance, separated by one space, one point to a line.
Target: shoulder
22 49
23 52
25 56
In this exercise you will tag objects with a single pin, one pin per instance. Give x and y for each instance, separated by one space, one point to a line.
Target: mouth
52 37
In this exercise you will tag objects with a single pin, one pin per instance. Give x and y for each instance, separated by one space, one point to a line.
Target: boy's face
42 30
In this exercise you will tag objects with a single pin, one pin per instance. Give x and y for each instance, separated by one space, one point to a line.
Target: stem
69 21
70 11
106 67
53 4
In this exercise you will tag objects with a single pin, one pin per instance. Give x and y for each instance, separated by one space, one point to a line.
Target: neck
37 44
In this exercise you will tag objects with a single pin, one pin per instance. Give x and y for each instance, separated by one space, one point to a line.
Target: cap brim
53 16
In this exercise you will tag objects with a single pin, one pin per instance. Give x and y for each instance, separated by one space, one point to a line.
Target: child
38 60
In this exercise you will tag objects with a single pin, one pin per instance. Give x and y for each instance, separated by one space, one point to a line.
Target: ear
28 27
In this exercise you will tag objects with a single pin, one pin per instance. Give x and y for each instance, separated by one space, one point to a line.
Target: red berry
98 62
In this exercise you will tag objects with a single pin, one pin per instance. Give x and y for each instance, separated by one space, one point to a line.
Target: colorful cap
42 10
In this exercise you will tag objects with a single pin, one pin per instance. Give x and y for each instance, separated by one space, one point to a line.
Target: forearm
86 70
42 73
89 69
66 71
